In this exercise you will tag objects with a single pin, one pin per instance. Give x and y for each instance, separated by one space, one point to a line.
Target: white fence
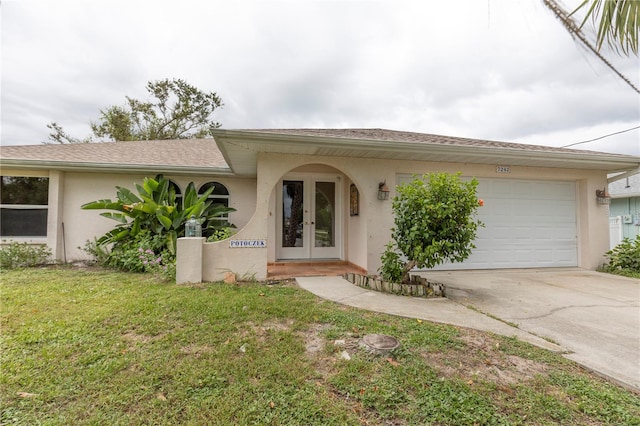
615 231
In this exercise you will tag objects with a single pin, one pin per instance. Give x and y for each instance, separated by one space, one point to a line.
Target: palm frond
576 32
618 25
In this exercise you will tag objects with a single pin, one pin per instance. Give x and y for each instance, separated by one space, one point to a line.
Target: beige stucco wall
368 233
85 225
219 258
70 190
365 234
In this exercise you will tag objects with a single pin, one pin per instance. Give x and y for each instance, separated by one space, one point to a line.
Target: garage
528 224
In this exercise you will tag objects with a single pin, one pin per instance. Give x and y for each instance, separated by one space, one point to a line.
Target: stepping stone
379 344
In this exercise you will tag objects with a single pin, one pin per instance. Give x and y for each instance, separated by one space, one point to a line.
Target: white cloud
498 70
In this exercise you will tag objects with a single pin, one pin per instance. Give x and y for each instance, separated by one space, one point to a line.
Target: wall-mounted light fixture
602 197
383 191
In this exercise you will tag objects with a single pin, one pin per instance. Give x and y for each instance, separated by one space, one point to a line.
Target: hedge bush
22 255
625 256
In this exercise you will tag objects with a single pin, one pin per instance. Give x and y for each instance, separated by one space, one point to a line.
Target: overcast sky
488 69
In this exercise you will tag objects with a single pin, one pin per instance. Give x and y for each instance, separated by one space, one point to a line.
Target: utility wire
601 137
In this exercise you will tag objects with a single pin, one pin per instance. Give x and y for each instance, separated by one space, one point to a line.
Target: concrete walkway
595 318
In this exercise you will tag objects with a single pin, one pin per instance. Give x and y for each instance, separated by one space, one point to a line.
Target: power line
601 137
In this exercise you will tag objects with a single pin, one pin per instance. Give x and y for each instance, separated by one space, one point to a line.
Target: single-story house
624 207
315 194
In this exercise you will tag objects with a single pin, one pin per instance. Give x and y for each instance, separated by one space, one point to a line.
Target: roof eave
626 174
223 150
587 160
113 168
627 195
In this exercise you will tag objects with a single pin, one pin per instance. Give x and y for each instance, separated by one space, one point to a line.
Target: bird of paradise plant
157 210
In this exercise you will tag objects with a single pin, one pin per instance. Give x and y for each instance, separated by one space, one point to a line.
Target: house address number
248 243
503 169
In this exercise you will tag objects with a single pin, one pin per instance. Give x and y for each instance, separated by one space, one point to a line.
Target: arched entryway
310 216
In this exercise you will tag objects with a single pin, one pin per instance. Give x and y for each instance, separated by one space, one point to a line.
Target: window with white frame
23 206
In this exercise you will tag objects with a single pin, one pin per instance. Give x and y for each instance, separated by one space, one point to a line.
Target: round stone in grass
379 344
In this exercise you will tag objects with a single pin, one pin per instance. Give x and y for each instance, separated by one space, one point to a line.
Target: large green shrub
434 222
150 223
625 256
23 255
155 209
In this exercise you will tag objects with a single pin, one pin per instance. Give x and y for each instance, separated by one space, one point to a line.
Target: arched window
176 189
219 196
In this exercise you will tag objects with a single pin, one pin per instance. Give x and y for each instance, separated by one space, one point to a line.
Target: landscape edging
419 286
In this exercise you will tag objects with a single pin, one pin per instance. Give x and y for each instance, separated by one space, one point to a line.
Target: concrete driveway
594 316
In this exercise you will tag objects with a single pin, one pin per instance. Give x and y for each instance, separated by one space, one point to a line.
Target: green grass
99 347
625 273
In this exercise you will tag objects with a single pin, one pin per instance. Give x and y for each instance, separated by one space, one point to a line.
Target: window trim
24 206
36 239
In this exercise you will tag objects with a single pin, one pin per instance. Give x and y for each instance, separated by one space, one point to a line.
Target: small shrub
22 255
434 222
625 256
143 253
392 268
99 253
220 234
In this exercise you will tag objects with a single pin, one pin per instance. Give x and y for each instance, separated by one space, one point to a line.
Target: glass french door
309 218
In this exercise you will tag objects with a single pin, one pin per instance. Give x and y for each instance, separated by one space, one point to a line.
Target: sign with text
248 243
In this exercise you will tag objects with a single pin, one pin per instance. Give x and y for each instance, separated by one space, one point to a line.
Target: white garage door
528 224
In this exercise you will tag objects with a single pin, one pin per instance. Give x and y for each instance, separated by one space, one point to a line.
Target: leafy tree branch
176 110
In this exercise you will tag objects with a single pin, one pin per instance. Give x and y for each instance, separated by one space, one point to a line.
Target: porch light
192 228
383 191
602 197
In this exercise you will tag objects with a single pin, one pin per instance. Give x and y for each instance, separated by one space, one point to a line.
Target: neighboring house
624 207
313 194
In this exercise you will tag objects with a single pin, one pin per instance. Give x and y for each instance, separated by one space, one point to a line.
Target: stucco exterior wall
55 227
84 225
355 232
69 227
219 258
365 235
368 233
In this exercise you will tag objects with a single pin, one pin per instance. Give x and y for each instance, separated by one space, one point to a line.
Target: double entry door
309 217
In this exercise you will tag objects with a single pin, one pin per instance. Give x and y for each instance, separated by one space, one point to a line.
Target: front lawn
100 347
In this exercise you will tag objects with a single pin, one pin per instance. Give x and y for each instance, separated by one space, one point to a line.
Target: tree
178 111
618 23
434 222
58 135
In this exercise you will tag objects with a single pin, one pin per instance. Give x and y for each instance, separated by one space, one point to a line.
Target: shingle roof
204 155
418 138
241 148
196 153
